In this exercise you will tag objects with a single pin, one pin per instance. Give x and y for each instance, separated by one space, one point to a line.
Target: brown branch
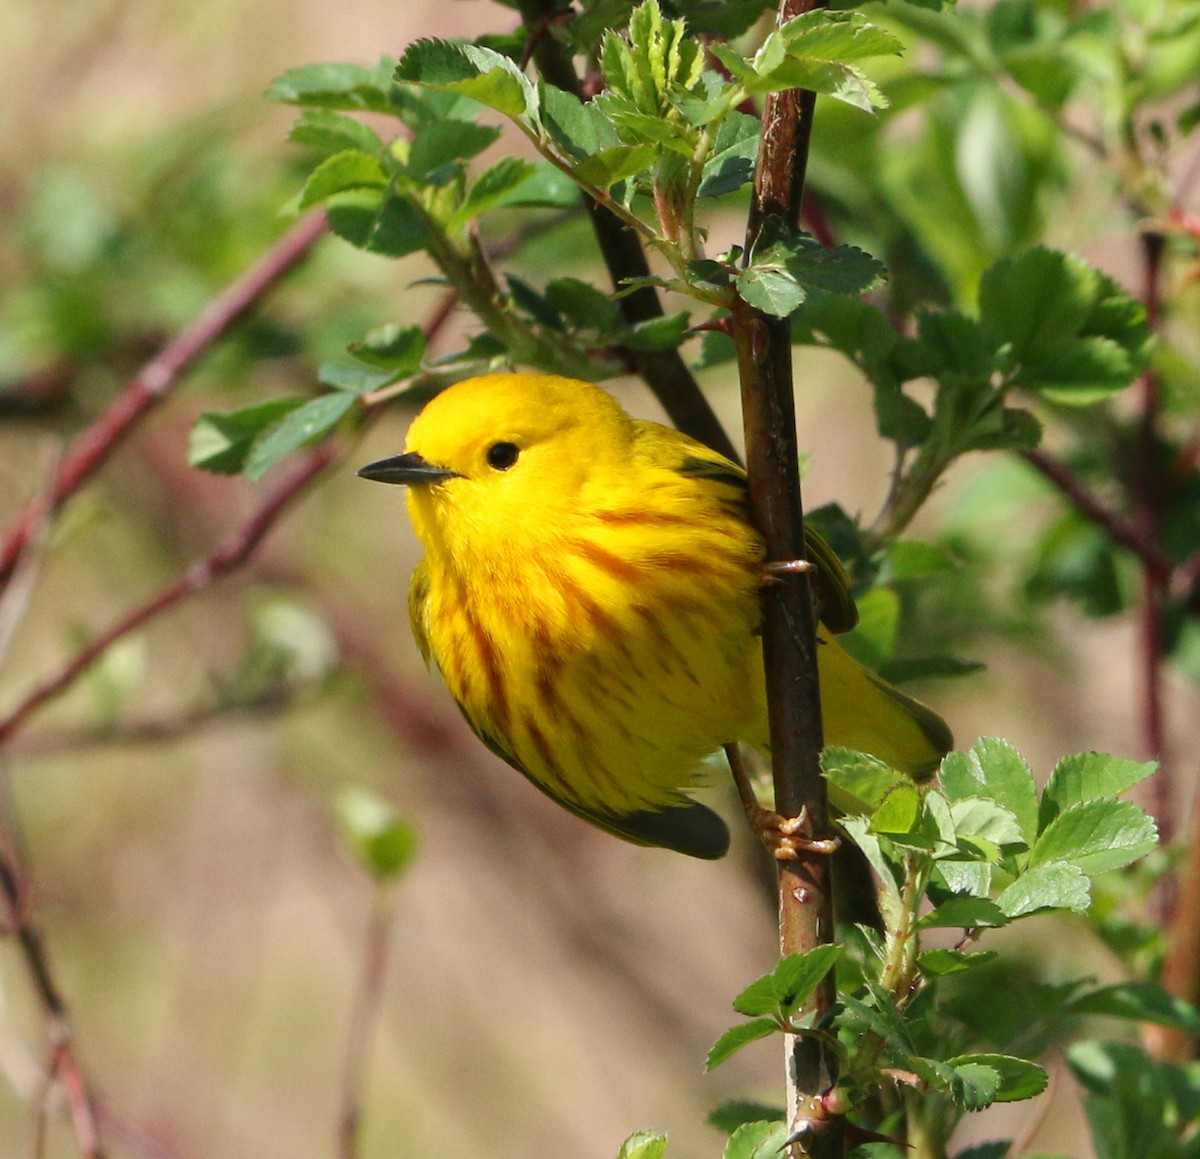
202 574
665 372
64 1064
154 382
789 624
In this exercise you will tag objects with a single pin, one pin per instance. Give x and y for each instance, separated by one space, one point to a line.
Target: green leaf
378 222
1074 335
941 962
1096 836
993 769
656 334
730 164
473 71
582 305
220 442
738 1036
304 425
966 913
495 186
785 989
341 172
838 36
608 166
577 129
399 350
1086 777
985 827
1141 1002
728 1117
334 132
436 148
382 843
355 377
644 1145
351 87
1054 885
1016 1078
858 782
771 289
899 812
757 1141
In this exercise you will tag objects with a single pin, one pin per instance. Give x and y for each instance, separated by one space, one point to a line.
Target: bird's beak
407 468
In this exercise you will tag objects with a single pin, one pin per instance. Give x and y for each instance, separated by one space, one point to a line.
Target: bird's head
493 457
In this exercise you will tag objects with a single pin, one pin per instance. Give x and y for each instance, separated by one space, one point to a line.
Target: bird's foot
784 836
774 570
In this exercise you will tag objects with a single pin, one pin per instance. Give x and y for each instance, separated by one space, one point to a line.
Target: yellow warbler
590 595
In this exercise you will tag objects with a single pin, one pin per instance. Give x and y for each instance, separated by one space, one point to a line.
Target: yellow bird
590 596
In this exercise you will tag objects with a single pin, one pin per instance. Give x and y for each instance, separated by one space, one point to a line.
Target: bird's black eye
502 455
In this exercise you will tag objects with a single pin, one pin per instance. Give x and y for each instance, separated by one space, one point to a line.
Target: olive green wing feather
830 578
418 596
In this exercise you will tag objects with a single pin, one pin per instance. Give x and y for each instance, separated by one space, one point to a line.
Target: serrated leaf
966 913
771 289
577 129
1054 885
1141 1002
942 962
493 187
899 812
354 377
757 1141
582 304
1073 333
608 166
344 171
985 826
728 1117
382 843
1087 776
1018 1077
220 442
737 1037
656 334
352 87
473 71
436 148
969 877
858 783
798 975
730 164
334 132
858 829
993 769
644 1145
398 350
304 425
838 36
1097 836
377 222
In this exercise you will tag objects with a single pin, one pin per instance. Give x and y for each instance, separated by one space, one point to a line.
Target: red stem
201 574
154 382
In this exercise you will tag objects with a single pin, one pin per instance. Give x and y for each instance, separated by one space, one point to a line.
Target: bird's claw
785 838
774 570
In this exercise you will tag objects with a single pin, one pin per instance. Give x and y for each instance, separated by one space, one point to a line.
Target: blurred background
548 989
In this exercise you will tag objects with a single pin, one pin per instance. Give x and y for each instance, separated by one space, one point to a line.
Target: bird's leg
774 570
783 836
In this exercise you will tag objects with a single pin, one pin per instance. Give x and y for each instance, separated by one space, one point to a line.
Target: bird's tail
863 712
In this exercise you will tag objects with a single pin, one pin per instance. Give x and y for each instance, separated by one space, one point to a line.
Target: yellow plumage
589 594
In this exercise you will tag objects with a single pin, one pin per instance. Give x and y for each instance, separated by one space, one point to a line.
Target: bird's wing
836 603
688 827
418 595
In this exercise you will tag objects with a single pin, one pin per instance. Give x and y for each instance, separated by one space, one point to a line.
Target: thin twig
1119 528
63 1065
364 1022
154 382
200 575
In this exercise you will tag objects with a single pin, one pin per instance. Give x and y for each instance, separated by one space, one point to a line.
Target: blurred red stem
202 574
63 1066
154 382
364 1021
